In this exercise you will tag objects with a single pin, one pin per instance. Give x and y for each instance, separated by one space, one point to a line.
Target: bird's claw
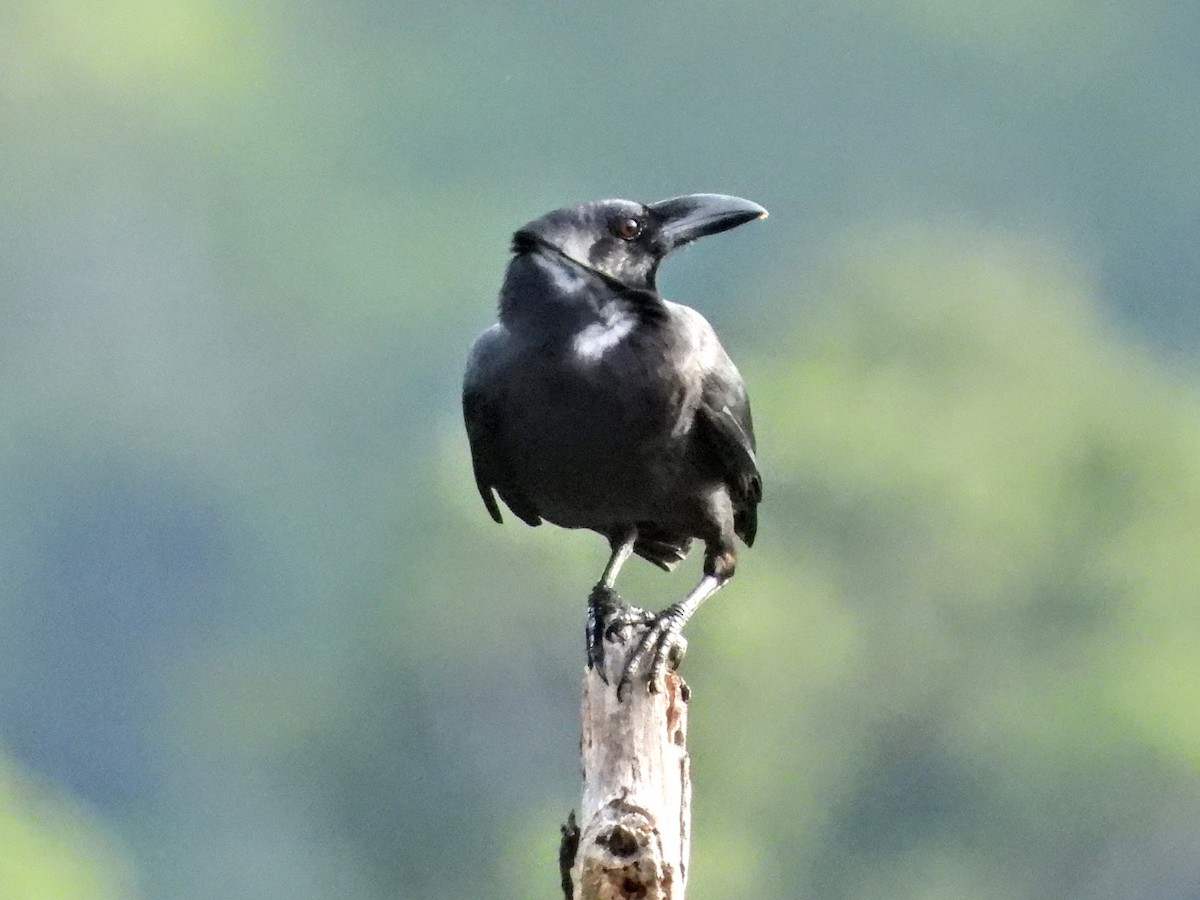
607 615
665 645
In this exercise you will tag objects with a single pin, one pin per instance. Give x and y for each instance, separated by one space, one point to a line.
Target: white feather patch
564 276
598 338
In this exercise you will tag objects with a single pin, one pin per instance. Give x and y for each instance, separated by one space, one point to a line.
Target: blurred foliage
50 851
258 638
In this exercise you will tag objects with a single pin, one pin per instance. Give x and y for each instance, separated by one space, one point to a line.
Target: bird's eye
628 228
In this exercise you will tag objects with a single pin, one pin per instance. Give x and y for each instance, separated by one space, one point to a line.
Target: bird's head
625 241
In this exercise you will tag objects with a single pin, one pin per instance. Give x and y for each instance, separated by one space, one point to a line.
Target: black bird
596 403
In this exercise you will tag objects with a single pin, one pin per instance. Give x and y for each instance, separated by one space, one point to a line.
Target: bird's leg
663 641
622 548
605 607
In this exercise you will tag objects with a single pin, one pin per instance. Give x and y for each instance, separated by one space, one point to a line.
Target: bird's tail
664 550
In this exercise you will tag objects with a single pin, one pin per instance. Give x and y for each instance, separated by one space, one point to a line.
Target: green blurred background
258 637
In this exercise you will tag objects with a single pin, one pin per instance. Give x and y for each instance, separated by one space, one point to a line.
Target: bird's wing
725 426
480 432
482 413
724 416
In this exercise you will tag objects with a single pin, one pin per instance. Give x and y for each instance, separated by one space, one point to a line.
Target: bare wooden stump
635 820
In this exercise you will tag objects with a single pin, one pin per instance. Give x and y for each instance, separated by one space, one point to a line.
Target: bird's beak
683 219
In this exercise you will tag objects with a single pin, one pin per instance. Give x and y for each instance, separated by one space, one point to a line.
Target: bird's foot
607 615
663 643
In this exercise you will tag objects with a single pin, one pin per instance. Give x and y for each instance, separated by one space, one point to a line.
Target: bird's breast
590 440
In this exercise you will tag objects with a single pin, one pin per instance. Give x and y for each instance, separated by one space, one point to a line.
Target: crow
596 403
